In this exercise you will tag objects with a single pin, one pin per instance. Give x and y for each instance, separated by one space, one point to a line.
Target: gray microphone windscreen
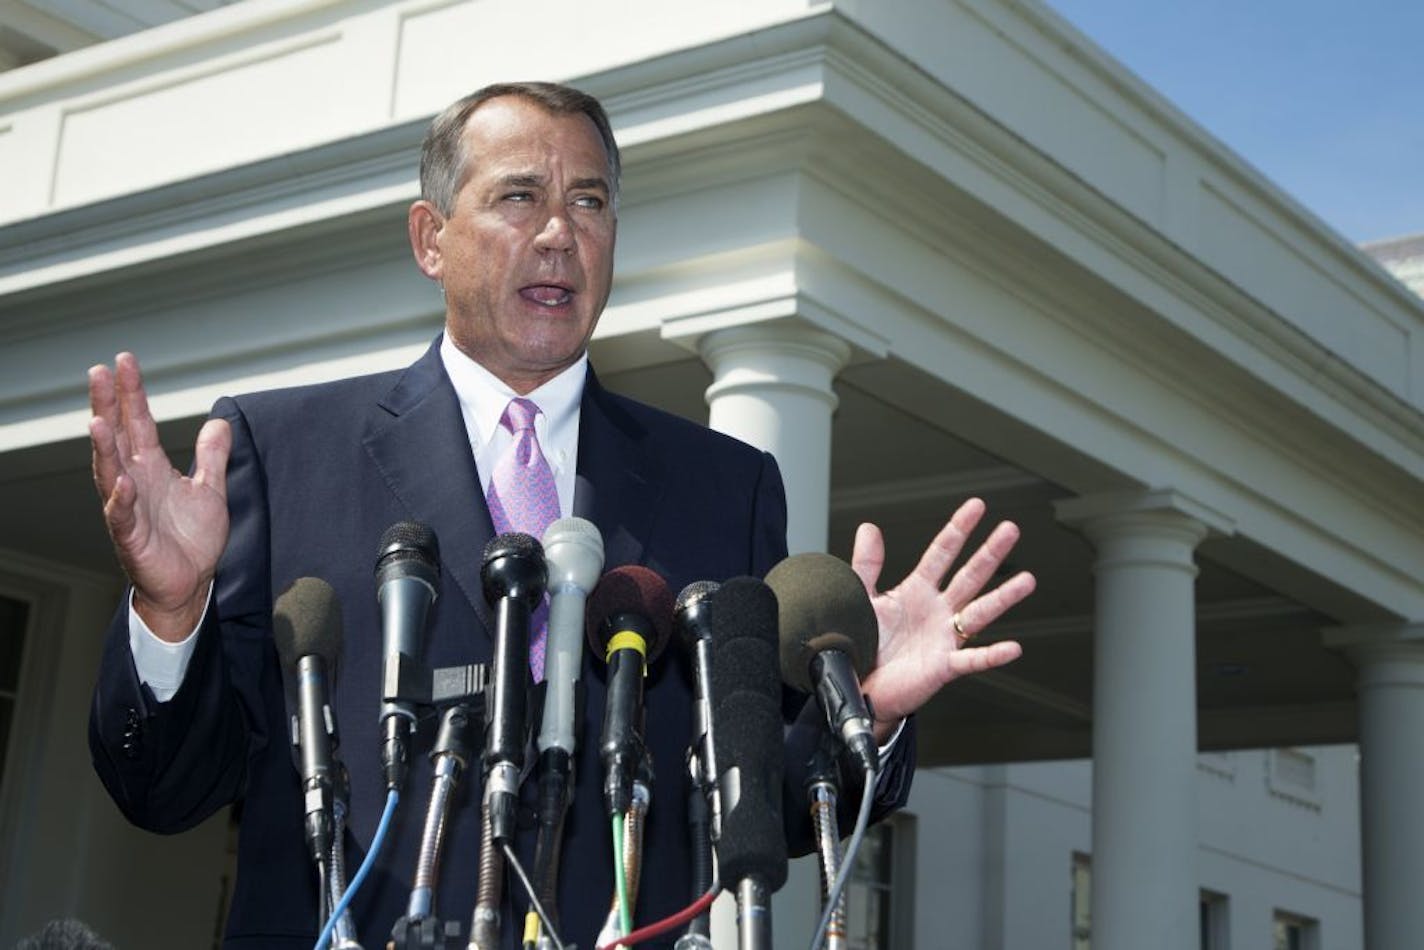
306 619
822 605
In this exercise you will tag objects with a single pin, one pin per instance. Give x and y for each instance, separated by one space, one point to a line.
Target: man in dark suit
517 224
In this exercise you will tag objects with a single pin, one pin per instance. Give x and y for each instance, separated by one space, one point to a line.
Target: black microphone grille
513 544
694 594
823 605
690 613
408 548
306 620
514 567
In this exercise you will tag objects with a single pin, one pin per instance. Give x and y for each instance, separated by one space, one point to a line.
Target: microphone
829 637
704 809
573 556
629 621
694 626
513 576
407 583
306 627
746 701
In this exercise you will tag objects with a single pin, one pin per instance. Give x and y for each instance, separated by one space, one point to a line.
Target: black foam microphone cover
746 703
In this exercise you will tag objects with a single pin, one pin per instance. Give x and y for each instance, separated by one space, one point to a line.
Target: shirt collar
483 396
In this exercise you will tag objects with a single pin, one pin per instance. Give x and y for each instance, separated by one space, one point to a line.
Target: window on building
1214 923
1291 774
1081 908
880 892
1293 932
14 618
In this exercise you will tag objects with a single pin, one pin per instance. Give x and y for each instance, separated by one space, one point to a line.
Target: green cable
625 913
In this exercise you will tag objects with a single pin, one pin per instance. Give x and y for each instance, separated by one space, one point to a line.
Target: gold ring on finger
960 633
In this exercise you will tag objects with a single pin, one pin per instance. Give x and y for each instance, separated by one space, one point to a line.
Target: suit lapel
420 446
418 443
619 482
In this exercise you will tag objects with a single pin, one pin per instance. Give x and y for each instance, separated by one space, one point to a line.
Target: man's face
526 256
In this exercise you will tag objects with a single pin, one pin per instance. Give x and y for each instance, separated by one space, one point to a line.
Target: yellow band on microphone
628 640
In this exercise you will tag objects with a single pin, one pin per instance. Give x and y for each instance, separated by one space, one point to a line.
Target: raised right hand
168 529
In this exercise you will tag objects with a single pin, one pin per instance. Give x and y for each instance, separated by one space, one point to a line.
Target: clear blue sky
1325 98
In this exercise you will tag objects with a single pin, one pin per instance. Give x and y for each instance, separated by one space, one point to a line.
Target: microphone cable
634 831
671 922
512 860
862 821
344 933
620 877
379 839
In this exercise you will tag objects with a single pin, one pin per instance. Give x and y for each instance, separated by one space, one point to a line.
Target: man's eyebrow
533 180
594 183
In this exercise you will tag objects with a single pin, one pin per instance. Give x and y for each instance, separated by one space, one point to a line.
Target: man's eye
519 196
591 202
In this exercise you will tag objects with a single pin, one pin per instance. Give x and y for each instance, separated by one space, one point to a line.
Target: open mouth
547 295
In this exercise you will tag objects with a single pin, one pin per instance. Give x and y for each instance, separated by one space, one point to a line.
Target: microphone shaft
563 657
622 744
504 736
753 915
707 746
316 735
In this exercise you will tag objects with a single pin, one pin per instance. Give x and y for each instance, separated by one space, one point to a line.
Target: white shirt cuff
159 663
889 745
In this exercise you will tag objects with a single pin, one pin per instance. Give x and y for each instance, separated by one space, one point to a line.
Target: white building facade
918 249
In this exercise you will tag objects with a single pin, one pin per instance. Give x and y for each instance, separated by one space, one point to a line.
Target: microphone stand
633 837
822 792
556 784
420 929
343 934
699 822
484 923
753 914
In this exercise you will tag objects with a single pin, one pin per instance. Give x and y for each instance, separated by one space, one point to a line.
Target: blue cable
380 837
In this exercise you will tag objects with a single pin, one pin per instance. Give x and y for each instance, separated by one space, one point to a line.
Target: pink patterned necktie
523 497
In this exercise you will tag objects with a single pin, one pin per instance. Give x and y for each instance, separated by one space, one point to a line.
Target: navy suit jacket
316 476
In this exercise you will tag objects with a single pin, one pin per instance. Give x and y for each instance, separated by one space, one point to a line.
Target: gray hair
444 164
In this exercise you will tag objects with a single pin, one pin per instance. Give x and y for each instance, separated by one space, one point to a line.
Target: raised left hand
921 649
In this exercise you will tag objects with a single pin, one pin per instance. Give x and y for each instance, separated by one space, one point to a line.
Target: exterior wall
997 845
65 851
955 185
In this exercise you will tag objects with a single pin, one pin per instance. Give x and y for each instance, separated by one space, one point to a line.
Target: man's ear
424 223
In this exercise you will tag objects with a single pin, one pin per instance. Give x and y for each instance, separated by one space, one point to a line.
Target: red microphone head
623 596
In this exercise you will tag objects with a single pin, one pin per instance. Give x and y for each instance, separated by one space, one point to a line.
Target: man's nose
557 233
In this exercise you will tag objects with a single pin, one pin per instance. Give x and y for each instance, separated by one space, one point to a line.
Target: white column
1144 861
772 388
1390 694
